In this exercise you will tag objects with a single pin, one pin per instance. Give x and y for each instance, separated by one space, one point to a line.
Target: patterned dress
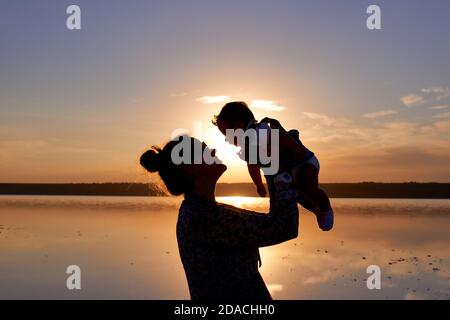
219 244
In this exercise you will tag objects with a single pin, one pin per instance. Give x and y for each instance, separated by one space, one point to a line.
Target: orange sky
81 106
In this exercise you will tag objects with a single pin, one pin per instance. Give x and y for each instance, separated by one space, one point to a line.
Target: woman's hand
274 123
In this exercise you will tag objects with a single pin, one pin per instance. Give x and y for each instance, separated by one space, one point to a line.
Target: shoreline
363 190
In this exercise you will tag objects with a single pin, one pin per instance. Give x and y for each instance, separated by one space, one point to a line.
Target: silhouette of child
294 157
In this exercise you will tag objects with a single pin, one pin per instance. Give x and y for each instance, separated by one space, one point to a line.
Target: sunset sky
81 106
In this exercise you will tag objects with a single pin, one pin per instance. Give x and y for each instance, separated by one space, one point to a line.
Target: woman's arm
238 228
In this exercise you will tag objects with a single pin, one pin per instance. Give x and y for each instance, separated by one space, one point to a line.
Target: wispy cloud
178 94
378 114
427 95
442 115
412 100
323 120
439 107
267 105
213 99
439 127
438 93
382 149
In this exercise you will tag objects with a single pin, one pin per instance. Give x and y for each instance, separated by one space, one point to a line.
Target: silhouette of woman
218 243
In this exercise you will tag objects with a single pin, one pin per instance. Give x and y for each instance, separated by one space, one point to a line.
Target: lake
126 248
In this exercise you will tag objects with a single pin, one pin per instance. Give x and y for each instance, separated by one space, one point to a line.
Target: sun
225 151
240 202
237 169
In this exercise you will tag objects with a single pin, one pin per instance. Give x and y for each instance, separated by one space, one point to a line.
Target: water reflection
126 248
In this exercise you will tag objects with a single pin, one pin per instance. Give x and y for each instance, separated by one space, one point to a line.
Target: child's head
234 115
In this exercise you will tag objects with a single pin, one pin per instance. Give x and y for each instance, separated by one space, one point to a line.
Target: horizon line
244 182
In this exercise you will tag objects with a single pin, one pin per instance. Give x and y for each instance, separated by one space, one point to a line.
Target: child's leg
303 199
306 202
310 186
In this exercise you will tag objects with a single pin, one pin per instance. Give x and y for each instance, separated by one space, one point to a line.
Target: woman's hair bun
151 159
175 177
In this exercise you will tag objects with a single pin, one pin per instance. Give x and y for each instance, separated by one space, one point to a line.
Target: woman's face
211 163
211 166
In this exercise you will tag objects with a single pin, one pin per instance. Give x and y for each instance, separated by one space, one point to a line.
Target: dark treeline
82 189
334 190
389 190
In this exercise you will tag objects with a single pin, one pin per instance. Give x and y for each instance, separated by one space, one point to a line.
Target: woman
218 243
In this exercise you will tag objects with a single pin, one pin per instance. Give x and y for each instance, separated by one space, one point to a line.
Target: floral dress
219 244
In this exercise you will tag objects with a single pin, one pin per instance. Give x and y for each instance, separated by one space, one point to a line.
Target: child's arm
255 174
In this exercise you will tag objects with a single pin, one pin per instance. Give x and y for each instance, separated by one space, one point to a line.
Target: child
294 158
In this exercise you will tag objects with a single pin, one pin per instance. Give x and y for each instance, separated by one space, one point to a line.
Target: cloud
412 100
438 93
426 95
442 126
266 105
405 156
323 120
437 128
176 95
439 107
390 151
34 147
442 115
320 118
378 114
213 99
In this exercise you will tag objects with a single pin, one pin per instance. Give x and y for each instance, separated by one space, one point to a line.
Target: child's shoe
326 220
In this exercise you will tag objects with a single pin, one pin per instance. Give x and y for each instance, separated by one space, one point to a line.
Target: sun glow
241 202
236 168
225 151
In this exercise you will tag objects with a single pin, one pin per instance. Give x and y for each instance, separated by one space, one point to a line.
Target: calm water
126 248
